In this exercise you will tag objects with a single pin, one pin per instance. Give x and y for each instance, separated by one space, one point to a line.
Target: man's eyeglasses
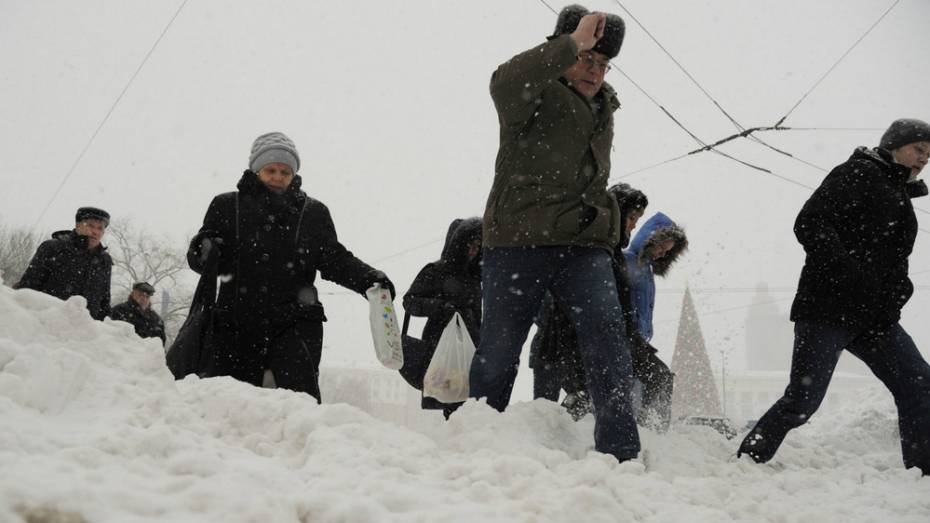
590 62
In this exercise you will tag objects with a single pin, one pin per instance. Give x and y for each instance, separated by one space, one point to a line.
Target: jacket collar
894 171
79 242
250 184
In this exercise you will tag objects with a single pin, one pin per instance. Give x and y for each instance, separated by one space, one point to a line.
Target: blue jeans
890 354
514 281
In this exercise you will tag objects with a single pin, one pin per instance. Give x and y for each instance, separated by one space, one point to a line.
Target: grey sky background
389 107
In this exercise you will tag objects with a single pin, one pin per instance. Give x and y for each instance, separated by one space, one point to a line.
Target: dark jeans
890 354
514 281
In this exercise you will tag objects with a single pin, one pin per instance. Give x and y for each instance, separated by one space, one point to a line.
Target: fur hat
93 213
273 147
905 131
614 29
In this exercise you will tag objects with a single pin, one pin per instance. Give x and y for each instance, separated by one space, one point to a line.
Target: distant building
770 335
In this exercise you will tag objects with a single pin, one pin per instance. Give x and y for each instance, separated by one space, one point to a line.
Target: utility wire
830 70
107 116
680 66
411 249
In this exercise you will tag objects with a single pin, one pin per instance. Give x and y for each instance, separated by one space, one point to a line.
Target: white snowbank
95 428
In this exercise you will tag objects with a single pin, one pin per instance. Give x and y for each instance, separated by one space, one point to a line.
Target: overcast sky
389 107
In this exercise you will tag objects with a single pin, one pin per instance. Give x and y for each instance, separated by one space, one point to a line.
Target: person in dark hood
75 263
858 230
448 285
549 224
555 359
271 239
137 310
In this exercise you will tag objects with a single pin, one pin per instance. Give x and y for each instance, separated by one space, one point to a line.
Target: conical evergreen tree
695 392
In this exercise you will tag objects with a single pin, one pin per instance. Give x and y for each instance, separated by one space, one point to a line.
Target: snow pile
95 429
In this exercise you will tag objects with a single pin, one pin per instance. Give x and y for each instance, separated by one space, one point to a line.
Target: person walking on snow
271 239
857 230
448 285
550 225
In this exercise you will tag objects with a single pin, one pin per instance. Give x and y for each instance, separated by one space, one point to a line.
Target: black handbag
191 352
416 357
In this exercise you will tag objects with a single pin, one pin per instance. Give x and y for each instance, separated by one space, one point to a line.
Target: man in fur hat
550 224
858 230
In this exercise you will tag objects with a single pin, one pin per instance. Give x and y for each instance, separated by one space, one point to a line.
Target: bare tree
17 246
138 255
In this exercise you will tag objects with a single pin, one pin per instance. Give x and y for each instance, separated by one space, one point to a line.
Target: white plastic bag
384 330
446 377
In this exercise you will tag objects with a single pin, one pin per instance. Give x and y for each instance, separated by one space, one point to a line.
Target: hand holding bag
447 376
384 331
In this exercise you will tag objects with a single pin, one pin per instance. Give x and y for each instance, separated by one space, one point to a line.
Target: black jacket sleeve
105 290
37 273
816 224
217 230
334 261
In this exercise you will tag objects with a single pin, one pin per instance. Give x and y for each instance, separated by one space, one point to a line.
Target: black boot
760 446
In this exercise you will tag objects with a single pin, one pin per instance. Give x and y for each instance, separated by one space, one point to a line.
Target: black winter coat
271 247
64 267
858 229
148 323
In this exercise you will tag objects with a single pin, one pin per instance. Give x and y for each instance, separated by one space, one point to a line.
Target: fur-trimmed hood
656 230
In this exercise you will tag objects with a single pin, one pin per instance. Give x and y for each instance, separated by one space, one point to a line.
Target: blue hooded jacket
642 269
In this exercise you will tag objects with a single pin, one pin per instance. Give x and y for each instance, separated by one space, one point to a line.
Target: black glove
208 242
382 280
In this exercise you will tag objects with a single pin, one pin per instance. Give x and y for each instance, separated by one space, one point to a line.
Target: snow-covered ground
95 429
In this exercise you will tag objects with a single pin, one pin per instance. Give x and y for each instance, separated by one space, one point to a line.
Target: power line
411 249
830 70
107 116
680 66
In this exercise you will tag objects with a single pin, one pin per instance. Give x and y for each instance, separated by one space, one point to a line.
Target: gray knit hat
903 132
273 147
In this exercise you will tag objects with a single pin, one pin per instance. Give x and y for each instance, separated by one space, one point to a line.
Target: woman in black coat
448 285
271 239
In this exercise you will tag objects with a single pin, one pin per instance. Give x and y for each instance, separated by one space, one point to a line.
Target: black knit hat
145 287
905 131
628 198
93 213
614 29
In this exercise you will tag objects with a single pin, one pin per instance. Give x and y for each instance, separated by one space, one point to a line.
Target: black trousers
890 354
292 354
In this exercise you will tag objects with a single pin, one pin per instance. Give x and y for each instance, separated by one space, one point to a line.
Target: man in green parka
550 224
